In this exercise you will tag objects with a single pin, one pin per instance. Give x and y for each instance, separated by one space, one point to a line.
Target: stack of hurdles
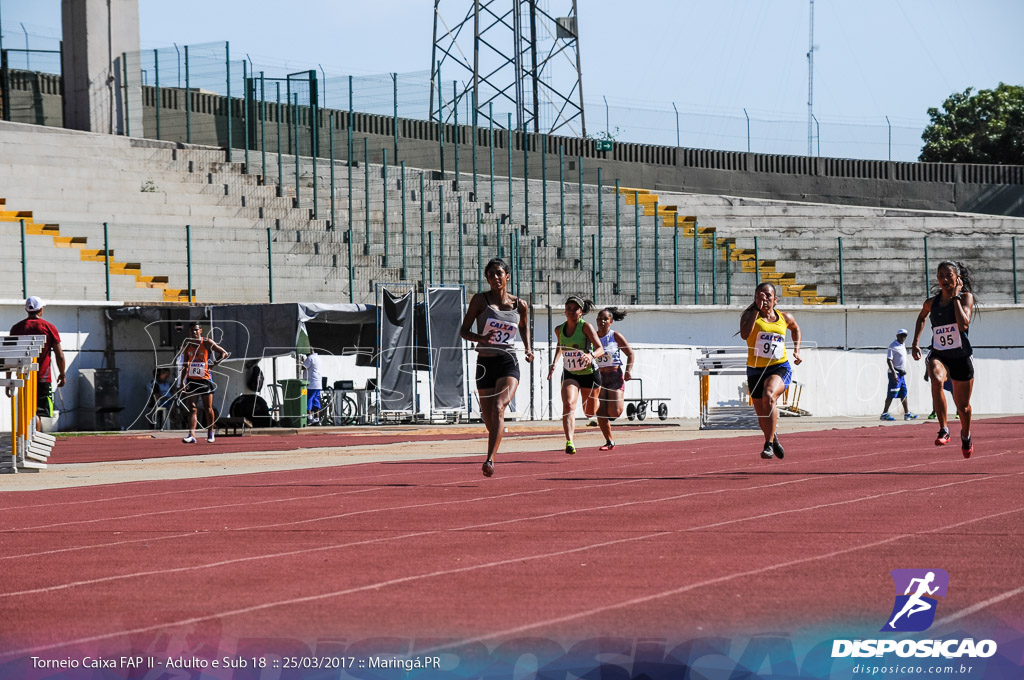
25 448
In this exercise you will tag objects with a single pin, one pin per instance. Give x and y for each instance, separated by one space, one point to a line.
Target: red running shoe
967 447
488 468
607 447
943 438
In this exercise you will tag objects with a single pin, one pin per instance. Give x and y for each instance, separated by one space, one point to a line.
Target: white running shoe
210 438
188 439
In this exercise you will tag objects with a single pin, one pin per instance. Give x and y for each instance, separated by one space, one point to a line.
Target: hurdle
723 361
25 448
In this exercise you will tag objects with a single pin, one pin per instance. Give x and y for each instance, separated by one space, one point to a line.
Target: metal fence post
270 264
384 184
479 249
280 156
127 113
440 120
423 232
728 274
461 269
1013 257
156 81
188 102
675 258
636 241
295 118
600 229
430 255
440 228
227 99
593 264
544 185
561 197
394 124
714 270
366 193
106 257
330 139
508 147
24 263
657 258
842 295
490 147
618 243
263 135
188 259
245 116
927 269
455 130
579 162
476 141
696 268
405 228
757 259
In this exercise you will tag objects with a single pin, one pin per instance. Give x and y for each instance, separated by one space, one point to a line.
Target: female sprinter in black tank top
498 315
950 313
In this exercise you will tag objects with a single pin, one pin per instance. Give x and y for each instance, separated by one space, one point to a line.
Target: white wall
843 371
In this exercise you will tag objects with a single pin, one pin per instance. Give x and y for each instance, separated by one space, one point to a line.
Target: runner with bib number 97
950 314
768 370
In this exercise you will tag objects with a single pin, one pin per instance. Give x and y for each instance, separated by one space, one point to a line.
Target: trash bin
293 411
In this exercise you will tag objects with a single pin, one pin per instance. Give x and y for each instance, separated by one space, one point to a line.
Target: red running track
647 540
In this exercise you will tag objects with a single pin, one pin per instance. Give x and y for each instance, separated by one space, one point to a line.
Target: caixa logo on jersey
914 611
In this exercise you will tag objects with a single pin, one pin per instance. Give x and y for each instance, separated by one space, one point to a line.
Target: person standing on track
498 315
896 361
612 390
579 347
35 324
196 381
768 370
950 313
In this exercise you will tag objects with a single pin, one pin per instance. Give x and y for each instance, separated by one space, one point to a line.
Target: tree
987 127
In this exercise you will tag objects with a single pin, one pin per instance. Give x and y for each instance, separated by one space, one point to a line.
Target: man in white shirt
896 358
311 364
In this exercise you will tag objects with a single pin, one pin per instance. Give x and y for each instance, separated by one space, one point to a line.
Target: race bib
500 332
197 369
946 337
608 359
572 360
769 346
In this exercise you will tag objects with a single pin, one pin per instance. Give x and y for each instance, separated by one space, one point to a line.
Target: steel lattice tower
512 54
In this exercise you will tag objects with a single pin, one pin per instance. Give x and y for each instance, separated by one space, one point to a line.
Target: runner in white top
613 380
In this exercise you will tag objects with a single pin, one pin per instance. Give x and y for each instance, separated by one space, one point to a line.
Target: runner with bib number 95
950 314
768 370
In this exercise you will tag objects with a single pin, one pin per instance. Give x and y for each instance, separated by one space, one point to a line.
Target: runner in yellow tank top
768 370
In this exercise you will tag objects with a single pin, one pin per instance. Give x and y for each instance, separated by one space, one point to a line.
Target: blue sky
711 58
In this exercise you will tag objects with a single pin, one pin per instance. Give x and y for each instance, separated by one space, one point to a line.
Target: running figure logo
914 609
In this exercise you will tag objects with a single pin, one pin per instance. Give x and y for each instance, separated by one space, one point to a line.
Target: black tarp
342 330
397 369
447 371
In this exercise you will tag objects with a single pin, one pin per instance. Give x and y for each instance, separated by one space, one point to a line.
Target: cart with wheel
637 407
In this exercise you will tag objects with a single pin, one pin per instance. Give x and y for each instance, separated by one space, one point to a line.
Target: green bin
293 411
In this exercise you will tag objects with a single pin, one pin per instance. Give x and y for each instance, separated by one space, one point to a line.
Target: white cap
902 331
33 304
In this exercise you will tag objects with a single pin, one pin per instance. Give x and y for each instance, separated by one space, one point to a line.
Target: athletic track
666 540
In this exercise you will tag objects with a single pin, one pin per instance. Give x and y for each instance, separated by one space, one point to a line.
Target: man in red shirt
36 325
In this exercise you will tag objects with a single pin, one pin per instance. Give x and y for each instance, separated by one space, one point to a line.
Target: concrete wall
843 372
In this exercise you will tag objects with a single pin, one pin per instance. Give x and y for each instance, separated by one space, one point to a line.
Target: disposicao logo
915 605
913 611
